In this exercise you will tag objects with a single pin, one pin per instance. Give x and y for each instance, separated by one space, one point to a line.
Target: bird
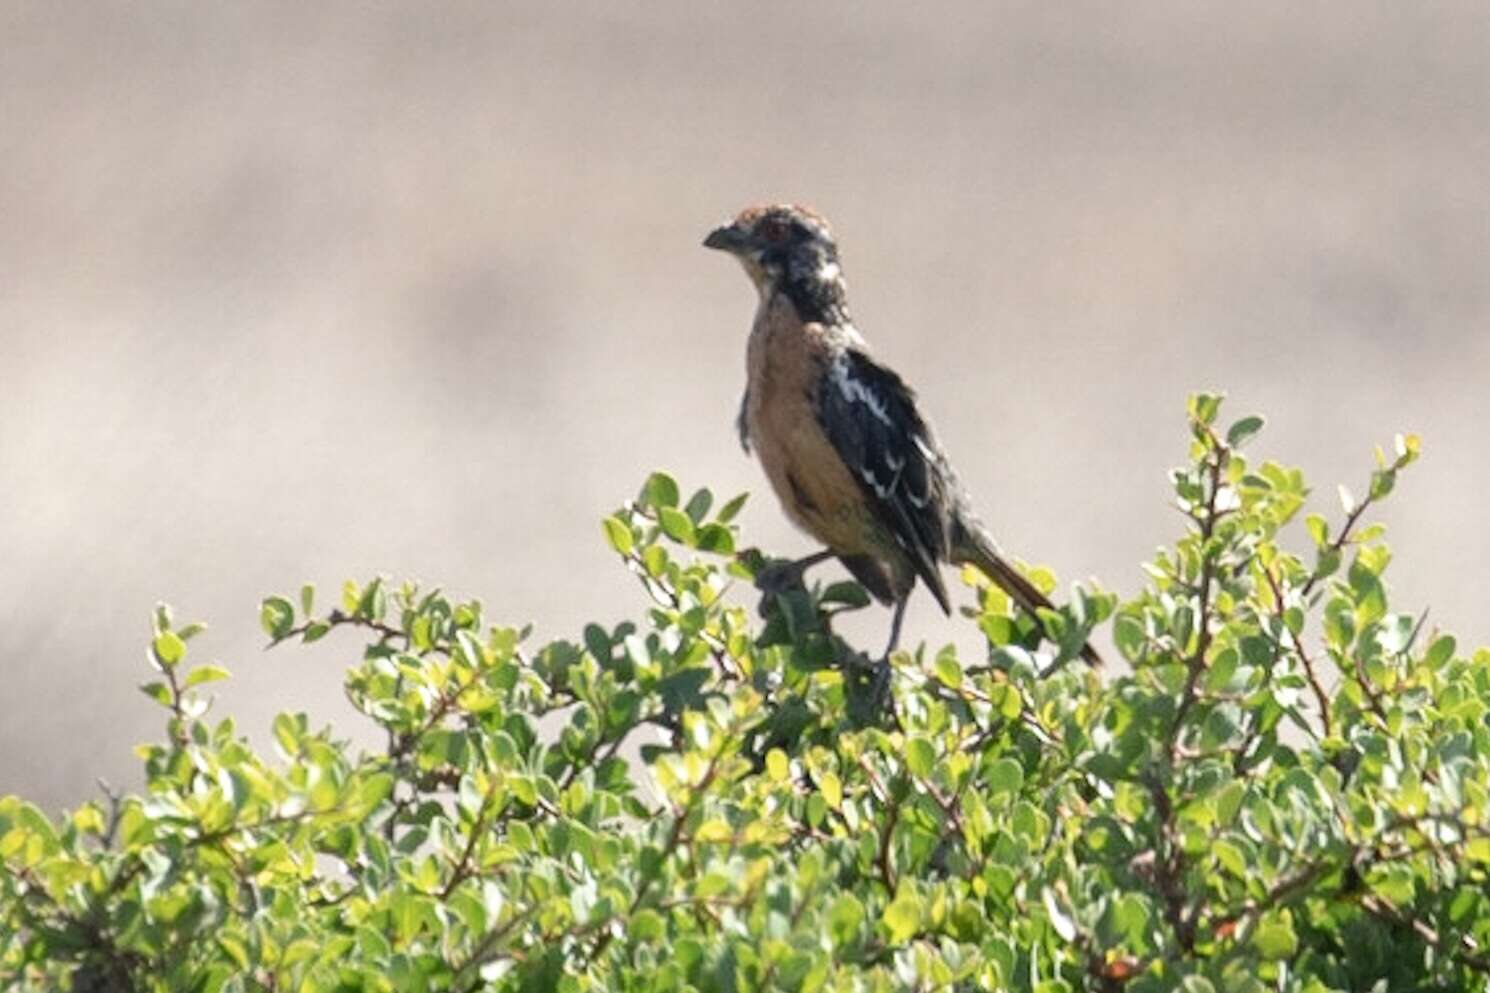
842 440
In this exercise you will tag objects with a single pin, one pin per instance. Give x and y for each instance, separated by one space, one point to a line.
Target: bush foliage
1289 790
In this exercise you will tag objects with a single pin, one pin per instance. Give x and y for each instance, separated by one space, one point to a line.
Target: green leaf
1274 938
233 945
832 789
1005 776
845 918
159 692
1319 528
1127 919
1440 651
522 788
1224 668
1293 617
714 831
375 789
1128 633
1243 430
698 505
1204 407
646 926
89 819
661 490
716 539
618 534
374 602
1007 700
948 670
276 616
902 918
778 767
676 525
1230 857
287 733
204 674
920 757
730 510
1328 562
169 648
1229 801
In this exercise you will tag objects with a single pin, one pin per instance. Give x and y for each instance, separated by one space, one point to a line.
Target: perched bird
853 461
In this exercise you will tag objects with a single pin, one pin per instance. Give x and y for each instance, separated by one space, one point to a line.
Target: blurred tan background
297 292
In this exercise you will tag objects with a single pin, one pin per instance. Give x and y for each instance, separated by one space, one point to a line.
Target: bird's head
781 246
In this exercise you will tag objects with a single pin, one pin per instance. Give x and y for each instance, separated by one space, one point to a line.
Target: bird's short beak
727 238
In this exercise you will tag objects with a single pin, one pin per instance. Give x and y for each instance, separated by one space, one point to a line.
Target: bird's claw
872 679
778 577
775 579
879 685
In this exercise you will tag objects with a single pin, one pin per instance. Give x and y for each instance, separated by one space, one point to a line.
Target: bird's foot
870 682
783 576
779 576
880 677
773 581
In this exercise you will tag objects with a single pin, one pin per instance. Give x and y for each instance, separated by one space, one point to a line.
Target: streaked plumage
839 435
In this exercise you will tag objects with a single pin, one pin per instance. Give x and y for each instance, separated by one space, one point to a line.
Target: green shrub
1289 791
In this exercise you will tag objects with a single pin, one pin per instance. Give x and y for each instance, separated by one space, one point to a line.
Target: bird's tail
972 544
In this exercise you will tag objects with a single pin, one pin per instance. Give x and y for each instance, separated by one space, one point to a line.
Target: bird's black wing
869 414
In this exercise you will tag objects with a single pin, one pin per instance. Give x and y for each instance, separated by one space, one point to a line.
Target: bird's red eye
773 229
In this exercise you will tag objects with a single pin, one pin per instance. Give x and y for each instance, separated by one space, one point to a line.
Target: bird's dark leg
900 605
880 676
778 577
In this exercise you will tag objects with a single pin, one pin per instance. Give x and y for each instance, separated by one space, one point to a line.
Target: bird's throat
814 284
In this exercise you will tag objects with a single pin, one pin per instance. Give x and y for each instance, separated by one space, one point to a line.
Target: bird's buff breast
786 360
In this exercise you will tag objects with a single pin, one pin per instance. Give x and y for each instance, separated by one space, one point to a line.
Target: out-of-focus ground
297 292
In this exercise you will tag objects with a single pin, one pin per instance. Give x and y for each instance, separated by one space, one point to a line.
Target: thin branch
340 618
1169 867
1320 695
479 955
403 744
594 760
461 871
1280 892
675 836
1362 858
1464 950
177 725
116 811
1196 661
1341 539
671 600
892 817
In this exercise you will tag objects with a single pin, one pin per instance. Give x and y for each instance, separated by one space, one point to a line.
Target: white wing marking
856 391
